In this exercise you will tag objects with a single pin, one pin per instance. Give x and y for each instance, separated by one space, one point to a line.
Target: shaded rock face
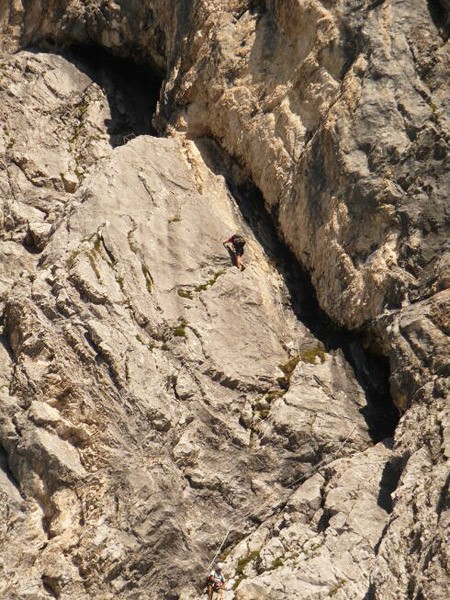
158 405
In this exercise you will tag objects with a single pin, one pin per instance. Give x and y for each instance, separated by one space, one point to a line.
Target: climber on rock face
235 246
216 582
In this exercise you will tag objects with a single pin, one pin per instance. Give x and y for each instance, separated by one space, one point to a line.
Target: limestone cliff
158 406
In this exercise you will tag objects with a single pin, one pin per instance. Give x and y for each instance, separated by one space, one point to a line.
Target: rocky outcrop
339 116
157 402
337 113
151 392
322 544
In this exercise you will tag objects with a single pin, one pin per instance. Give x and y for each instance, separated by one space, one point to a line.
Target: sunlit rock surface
155 401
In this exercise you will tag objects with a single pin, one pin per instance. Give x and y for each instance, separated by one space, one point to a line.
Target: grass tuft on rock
288 369
312 354
180 329
242 563
184 293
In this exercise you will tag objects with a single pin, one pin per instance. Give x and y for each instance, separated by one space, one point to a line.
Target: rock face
158 406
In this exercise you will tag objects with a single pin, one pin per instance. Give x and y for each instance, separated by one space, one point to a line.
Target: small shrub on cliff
180 330
288 369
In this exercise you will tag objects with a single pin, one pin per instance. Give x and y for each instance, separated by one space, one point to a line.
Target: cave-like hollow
132 90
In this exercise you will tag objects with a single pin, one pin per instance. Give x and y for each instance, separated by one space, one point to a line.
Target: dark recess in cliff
132 90
371 370
440 16
389 482
5 468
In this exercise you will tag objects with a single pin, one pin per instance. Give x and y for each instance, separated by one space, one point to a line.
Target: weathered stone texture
155 400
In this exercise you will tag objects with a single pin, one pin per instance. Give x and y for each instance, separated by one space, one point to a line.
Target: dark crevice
324 520
31 244
370 594
51 586
376 4
440 17
4 338
376 548
389 482
372 371
4 466
443 503
257 7
101 359
132 90
4 462
411 587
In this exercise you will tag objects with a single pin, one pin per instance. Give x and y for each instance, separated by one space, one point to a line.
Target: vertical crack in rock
6 471
372 371
389 482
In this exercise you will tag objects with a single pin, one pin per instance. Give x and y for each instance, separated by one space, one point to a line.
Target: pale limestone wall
136 432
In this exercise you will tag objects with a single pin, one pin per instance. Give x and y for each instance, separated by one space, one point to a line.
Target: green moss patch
204 286
288 369
312 354
242 563
276 564
180 329
184 293
148 278
273 395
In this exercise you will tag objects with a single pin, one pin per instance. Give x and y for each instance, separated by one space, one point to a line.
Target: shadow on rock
132 90
371 371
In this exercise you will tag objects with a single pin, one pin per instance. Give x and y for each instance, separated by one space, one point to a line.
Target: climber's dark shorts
239 249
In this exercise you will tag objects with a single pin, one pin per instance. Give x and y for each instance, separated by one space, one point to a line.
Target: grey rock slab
46 451
321 399
138 389
327 549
